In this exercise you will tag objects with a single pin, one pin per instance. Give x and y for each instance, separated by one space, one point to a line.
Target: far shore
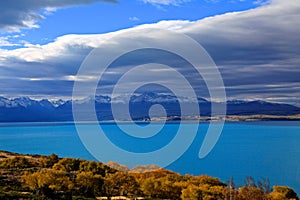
170 119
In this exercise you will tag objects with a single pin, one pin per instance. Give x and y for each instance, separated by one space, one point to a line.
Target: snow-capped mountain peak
57 103
4 102
46 103
152 97
22 101
97 99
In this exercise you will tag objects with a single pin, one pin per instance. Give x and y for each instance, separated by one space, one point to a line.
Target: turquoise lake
261 149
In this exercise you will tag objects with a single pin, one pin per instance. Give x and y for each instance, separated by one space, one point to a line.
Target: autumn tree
46 182
192 192
67 164
283 193
120 183
50 160
19 162
204 179
89 184
95 168
167 187
250 191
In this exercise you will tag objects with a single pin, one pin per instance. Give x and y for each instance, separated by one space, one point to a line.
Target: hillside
49 177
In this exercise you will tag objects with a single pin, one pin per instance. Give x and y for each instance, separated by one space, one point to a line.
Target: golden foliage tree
283 193
89 184
120 183
47 181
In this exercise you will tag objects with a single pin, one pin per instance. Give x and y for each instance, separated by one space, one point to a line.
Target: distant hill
25 109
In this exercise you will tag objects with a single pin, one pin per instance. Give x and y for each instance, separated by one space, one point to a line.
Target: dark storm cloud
16 14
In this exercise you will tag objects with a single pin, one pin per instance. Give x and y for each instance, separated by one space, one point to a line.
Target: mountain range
25 109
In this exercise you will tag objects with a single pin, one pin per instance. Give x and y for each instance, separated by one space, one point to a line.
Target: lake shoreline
30 176
168 120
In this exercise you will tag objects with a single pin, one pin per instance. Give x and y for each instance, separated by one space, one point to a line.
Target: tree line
51 177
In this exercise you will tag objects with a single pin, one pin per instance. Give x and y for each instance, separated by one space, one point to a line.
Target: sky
254 43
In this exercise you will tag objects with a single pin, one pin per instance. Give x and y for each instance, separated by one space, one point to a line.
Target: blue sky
101 17
253 43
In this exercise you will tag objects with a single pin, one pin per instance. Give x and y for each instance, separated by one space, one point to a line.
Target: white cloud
261 2
11 40
16 14
173 25
5 43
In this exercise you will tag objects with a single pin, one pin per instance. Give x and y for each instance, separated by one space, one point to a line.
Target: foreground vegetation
50 177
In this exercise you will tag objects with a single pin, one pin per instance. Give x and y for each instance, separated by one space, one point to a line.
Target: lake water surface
262 150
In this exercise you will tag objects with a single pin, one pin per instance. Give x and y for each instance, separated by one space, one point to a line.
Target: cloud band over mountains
257 52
